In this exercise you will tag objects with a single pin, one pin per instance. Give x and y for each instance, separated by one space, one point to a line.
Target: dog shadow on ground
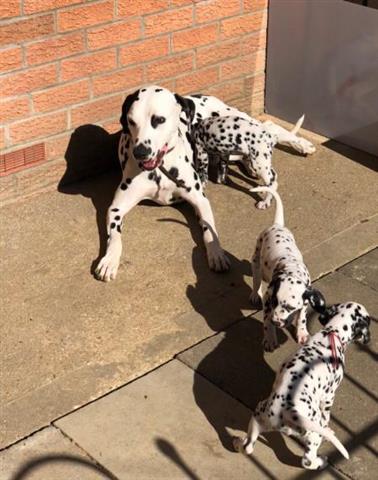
234 360
93 171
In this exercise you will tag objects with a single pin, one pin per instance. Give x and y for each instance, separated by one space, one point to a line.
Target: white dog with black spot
305 387
278 262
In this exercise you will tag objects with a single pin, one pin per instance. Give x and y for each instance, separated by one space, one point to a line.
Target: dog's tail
307 424
279 215
298 125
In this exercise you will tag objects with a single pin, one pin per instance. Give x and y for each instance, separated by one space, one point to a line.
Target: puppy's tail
298 125
279 215
326 432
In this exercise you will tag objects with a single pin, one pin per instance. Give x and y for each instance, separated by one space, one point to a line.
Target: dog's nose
141 152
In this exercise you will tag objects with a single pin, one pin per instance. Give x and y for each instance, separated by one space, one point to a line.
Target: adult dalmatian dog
278 262
156 135
305 387
221 136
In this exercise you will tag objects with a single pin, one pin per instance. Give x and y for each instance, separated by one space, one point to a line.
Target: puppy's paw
302 337
107 268
217 259
317 463
263 204
304 146
242 446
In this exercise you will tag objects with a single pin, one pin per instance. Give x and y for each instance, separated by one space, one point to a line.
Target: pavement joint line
94 460
176 357
338 469
356 279
335 235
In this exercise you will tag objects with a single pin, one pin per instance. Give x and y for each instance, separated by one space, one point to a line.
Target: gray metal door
323 61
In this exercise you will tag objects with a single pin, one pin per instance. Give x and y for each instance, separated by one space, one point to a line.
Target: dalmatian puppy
278 262
222 136
206 106
306 384
154 140
225 135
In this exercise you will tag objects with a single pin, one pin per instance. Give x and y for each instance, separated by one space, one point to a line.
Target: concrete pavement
67 339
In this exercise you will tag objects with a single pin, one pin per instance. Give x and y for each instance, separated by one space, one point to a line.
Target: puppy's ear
316 299
328 314
274 286
130 99
187 106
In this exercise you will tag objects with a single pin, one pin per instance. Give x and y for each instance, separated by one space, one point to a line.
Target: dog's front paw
302 337
107 268
218 260
304 146
242 446
263 204
317 463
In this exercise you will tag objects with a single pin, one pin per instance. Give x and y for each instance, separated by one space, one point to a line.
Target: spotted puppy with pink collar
305 387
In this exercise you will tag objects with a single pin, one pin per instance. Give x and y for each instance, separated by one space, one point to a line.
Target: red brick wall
64 63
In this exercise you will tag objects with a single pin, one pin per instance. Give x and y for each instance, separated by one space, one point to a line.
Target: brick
29 80
56 146
10 8
36 6
21 30
255 84
114 34
198 80
2 137
55 48
217 53
140 7
170 66
194 37
257 104
117 81
214 9
85 16
22 158
254 5
237 26
245 65
14 109
97 110
253 43
37 127
58 97
228 91
89 64
144 50
168 21
10 59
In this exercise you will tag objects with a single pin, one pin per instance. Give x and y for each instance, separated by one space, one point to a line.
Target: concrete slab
234 361
153 429
61 328
364 269
48 454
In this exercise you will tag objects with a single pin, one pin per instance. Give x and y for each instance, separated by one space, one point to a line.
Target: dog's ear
316 299
187 106
328 313
130 99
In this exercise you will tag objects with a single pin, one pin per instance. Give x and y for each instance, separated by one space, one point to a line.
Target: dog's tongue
154 162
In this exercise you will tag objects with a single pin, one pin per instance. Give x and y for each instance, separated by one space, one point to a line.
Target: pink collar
332 336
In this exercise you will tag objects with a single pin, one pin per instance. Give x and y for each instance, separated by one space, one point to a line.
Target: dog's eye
156 120
131 122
